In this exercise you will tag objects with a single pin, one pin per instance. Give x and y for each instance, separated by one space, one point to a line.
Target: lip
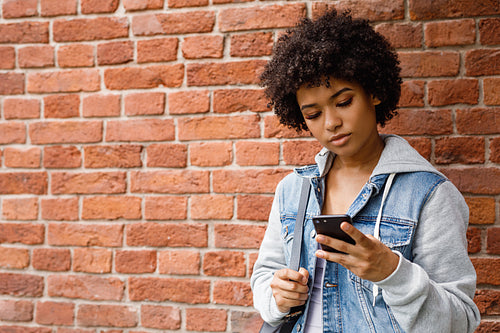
340 139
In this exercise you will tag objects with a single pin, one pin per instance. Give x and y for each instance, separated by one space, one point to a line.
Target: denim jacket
424 221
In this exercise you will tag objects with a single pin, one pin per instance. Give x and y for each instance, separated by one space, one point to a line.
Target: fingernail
320 254
320 238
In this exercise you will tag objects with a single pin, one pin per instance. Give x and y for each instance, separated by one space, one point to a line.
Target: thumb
305 275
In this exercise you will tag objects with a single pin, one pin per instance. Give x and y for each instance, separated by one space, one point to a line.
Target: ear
375 100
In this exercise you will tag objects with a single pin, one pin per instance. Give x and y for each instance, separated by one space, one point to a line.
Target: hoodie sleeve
434 293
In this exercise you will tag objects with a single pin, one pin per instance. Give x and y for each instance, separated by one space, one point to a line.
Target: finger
335 243
290 274
358 237
305 275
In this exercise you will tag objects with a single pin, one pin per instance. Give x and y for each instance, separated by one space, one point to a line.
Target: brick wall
138 156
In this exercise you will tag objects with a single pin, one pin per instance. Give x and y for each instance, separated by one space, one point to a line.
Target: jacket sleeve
271 259
435 292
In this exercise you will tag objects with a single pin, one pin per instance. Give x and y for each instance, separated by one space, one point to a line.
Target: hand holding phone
329 225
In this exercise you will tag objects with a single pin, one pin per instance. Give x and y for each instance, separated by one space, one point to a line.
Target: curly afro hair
337 46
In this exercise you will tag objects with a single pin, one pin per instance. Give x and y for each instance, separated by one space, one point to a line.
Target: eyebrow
331 97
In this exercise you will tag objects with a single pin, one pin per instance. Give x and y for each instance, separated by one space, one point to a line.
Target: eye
312 115
345 103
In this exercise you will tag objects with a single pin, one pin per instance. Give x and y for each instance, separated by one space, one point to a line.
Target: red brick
232 293
88 183
465 150
401 35
481 210
57 7
233 127
111 208
24 329
20 209
167 235
18 108
119 156
24 32
300 152
64 81
157 50
197 47
491 87
98 6
206 320
473 240
185 102
245 322
135 262
446 92
477 120
420 122
131 5
219 73
252 258
412 94
218 2
247 181
107 315
239 100
380 10
114 53
273 129
36 56
262 17
170 155
210 153
140 130
161 317
24 233
224 263
257 153
457 32
54 313
79 330
23 182
170 181
495 150
488 302
92 260
179 262
186 3
13 310
152 103
493 241
254 44
22 158
165 208
19 8
173 23
190 291
11 83
422 145
488 327
12 132
489 31
238 236
75 55
25 285
101 106
14 258
487 270
90 29
254 207
71 234
7 57
85 286
61 157
429 63
477 180
144 77
208 207
428 9
482 62
56 260
61 106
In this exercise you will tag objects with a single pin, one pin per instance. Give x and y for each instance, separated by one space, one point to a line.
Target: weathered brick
76 80
186 3
23 182
26 285
179 262
7 57
206 320
401 35
98 6
482 62
422 145
487 326
412 93
114 53
111 208
253 207
377 10
473 240
173 23
420 122
157 50
198 47
152 103
446 33
140 130
477 120
192 291
75 55
465 150
253 44
12 132
92 260
19 8
488 302
481 210
19 108
208 207
56 260
446 92
88 183
224 263
24 32
165 208
257 153
61 106
11 83
489 31
119 156
160 317
36 56
485 180
54 313
231 127
90 29
14 258
486 270
169 155
14 310
300 152
192 101
245 322
61 157
247 181
101 106
232 293
493 241
57 7
107 315
428 9
24 329
20 209
238 236
132 5
167 235
22 158
211 153
170 181
273 129
491 88
135 262
495 150
86 287
239 100
429 63
24 233
144 77
73 234
218 73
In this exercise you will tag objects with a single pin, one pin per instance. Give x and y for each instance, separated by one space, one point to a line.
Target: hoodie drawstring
376 232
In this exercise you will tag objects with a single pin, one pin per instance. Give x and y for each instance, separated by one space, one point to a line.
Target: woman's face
341 117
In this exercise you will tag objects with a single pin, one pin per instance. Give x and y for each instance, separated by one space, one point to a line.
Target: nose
332 119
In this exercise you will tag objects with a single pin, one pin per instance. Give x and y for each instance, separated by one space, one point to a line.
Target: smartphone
329 225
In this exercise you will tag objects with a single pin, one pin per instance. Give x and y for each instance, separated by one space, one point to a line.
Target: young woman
408 270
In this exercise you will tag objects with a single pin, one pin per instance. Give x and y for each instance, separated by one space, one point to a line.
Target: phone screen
329 225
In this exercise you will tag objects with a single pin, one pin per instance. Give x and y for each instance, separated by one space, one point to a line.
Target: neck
365 161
